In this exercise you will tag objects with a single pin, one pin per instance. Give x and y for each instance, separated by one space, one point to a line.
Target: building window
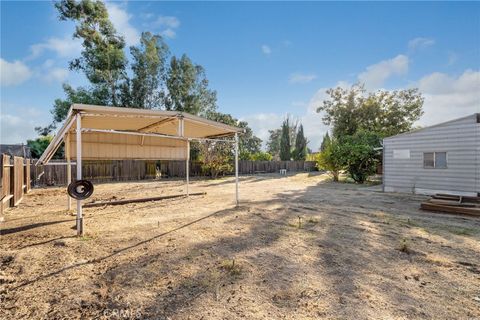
435 160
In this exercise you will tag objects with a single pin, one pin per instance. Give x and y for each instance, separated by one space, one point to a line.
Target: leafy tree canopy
248 143
261 156
38 145
300 151
152 83
326 140
285 146
358 155
273 143
330 159
102 59
188 88
146 88
384 112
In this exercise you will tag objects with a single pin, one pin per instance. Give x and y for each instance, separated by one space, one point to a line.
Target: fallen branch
126 201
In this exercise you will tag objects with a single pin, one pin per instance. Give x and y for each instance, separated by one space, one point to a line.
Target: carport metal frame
64 135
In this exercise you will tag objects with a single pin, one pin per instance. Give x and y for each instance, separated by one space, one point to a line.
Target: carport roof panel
149 121
137 121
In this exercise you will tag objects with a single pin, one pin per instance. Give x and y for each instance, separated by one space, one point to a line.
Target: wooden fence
252 167
124 170
15 180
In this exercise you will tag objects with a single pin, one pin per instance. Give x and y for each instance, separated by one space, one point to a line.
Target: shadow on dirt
312 253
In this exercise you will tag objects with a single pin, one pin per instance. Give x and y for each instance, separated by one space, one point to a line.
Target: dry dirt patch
296 247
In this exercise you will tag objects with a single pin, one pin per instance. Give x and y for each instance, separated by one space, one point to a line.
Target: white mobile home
443 158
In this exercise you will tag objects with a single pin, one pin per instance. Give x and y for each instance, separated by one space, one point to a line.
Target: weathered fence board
15 180
26 176
6 194
125 170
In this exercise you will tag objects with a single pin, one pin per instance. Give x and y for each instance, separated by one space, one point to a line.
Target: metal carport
116 133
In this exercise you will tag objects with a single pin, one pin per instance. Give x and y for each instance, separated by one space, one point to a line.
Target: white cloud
298 104
262 122
121 21
420 43
377 74
55 74
301 78
13 73
313 126
64 48
166 24
168 21
448 97
17 124
312 121
266 49
168 33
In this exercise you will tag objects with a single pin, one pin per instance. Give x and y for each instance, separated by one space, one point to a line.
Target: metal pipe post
79 174
236 169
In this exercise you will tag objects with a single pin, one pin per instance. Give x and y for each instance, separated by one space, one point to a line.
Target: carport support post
236 169
79 174
188 166
69 168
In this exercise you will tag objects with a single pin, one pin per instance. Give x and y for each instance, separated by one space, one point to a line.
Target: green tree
102 59
383 112
285 146
248 143
331 159
273 142
261 156
358 155
325 141
79 95
216 158
300 151
180 85
146 88
188 89
38 146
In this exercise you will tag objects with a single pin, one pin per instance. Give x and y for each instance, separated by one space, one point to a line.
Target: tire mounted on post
80 189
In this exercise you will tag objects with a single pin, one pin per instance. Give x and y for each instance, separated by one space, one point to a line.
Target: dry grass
298 247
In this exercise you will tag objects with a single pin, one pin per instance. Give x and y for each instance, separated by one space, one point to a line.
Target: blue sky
265 59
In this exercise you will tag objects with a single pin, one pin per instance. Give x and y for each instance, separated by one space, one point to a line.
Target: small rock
416 277
59 243
6 260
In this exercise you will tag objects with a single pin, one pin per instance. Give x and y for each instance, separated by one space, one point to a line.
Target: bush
358 155
38 146
216 158
330 159
262 156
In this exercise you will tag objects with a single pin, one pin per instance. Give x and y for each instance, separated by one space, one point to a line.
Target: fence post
16 181
26 175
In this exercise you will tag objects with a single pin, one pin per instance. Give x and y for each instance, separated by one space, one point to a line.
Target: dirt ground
297 247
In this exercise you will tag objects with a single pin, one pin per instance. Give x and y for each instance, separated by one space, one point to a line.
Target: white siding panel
460 139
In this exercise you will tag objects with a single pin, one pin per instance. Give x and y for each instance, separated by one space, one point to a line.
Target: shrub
358 155
330 159
216 158
262 156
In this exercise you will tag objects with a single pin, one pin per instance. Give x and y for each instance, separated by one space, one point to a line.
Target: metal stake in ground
79 174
